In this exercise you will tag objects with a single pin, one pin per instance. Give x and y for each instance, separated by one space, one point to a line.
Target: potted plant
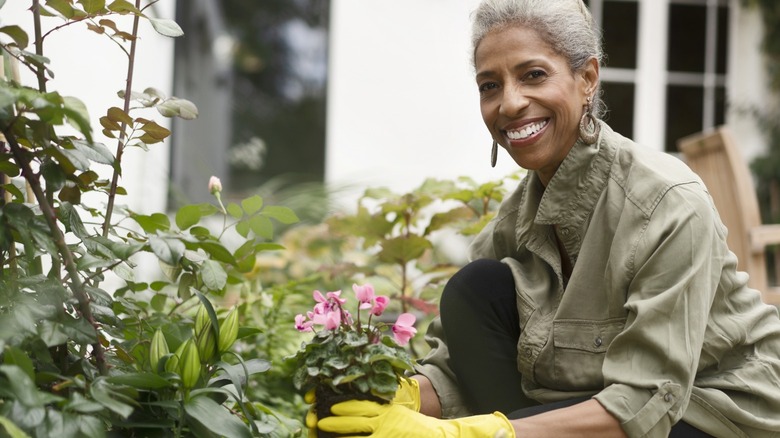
351 356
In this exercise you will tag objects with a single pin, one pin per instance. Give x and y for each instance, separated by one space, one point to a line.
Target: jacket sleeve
435 365
649 368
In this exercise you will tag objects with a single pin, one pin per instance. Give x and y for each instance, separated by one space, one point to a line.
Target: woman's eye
487 87
535 74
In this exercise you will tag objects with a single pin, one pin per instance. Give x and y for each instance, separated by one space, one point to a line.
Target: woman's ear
590 76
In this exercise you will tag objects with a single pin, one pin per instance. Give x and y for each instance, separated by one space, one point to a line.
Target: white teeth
527 131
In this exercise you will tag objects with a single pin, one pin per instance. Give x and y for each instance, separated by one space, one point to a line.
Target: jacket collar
571 194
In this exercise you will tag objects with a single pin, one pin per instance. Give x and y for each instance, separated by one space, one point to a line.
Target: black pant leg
480 320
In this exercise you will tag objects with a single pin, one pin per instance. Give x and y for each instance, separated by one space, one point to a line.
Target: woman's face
530 100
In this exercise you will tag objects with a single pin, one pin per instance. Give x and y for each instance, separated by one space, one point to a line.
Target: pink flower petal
380 304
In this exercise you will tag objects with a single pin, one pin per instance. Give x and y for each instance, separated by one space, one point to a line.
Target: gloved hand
407 395
394 421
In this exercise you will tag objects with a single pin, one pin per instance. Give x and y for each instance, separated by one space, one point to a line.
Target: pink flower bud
215 185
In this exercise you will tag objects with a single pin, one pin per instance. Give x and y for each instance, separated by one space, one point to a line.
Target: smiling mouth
528 131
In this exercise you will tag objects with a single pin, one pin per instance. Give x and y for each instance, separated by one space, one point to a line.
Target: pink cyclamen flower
380 303
336 296
301 324
333 320
403 329
364 294
215 185
319 297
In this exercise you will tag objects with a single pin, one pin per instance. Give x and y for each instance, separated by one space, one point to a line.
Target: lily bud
206 343
215 185
189 365
158 349
228 331
172 365
202 319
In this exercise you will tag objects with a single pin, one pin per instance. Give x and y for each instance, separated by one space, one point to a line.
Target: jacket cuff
644 412
452 404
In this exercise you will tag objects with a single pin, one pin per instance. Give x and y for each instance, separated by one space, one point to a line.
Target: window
619 22
696 61
689 93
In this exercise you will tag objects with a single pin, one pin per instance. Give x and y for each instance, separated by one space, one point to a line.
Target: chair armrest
764 235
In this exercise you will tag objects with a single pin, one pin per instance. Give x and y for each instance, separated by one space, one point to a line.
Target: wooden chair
714 156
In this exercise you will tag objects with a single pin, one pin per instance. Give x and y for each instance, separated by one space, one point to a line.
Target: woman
602 300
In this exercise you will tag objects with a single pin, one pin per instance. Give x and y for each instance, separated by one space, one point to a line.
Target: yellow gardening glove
357 417
407 395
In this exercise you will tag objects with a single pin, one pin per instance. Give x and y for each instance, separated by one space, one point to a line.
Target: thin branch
40 72
120 141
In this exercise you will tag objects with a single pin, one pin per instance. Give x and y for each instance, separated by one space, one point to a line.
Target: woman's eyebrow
518 66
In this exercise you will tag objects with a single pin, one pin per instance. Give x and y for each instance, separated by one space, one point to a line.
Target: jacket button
668 397
597 342
528 352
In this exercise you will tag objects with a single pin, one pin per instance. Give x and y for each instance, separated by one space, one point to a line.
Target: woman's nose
514 100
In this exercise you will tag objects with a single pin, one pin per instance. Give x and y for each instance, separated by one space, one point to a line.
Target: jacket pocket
579 350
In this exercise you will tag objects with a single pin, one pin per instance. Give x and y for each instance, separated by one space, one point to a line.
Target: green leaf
24 389
80 404
117 115
153 223
53 174
70 218
242 228
16 356
244 332
166 27
282 214
252 204
213 417
106 396
10 428
91 426
235 211
76 158
155 131
158 302
213 276
123 6
187 216
9 168
403 249
218 252
140 380
262 226
77 115
17 34
96 152
168 250
178 107
93 6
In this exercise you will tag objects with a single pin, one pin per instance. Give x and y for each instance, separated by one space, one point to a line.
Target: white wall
91 67
402 101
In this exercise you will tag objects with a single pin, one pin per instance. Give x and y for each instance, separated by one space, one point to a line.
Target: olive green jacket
655 322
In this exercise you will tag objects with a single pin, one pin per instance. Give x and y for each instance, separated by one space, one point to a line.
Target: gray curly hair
566 25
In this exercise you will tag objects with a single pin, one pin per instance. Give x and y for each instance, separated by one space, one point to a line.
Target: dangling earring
494 154
589 134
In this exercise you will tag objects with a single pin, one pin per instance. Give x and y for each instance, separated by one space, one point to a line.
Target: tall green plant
149 358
